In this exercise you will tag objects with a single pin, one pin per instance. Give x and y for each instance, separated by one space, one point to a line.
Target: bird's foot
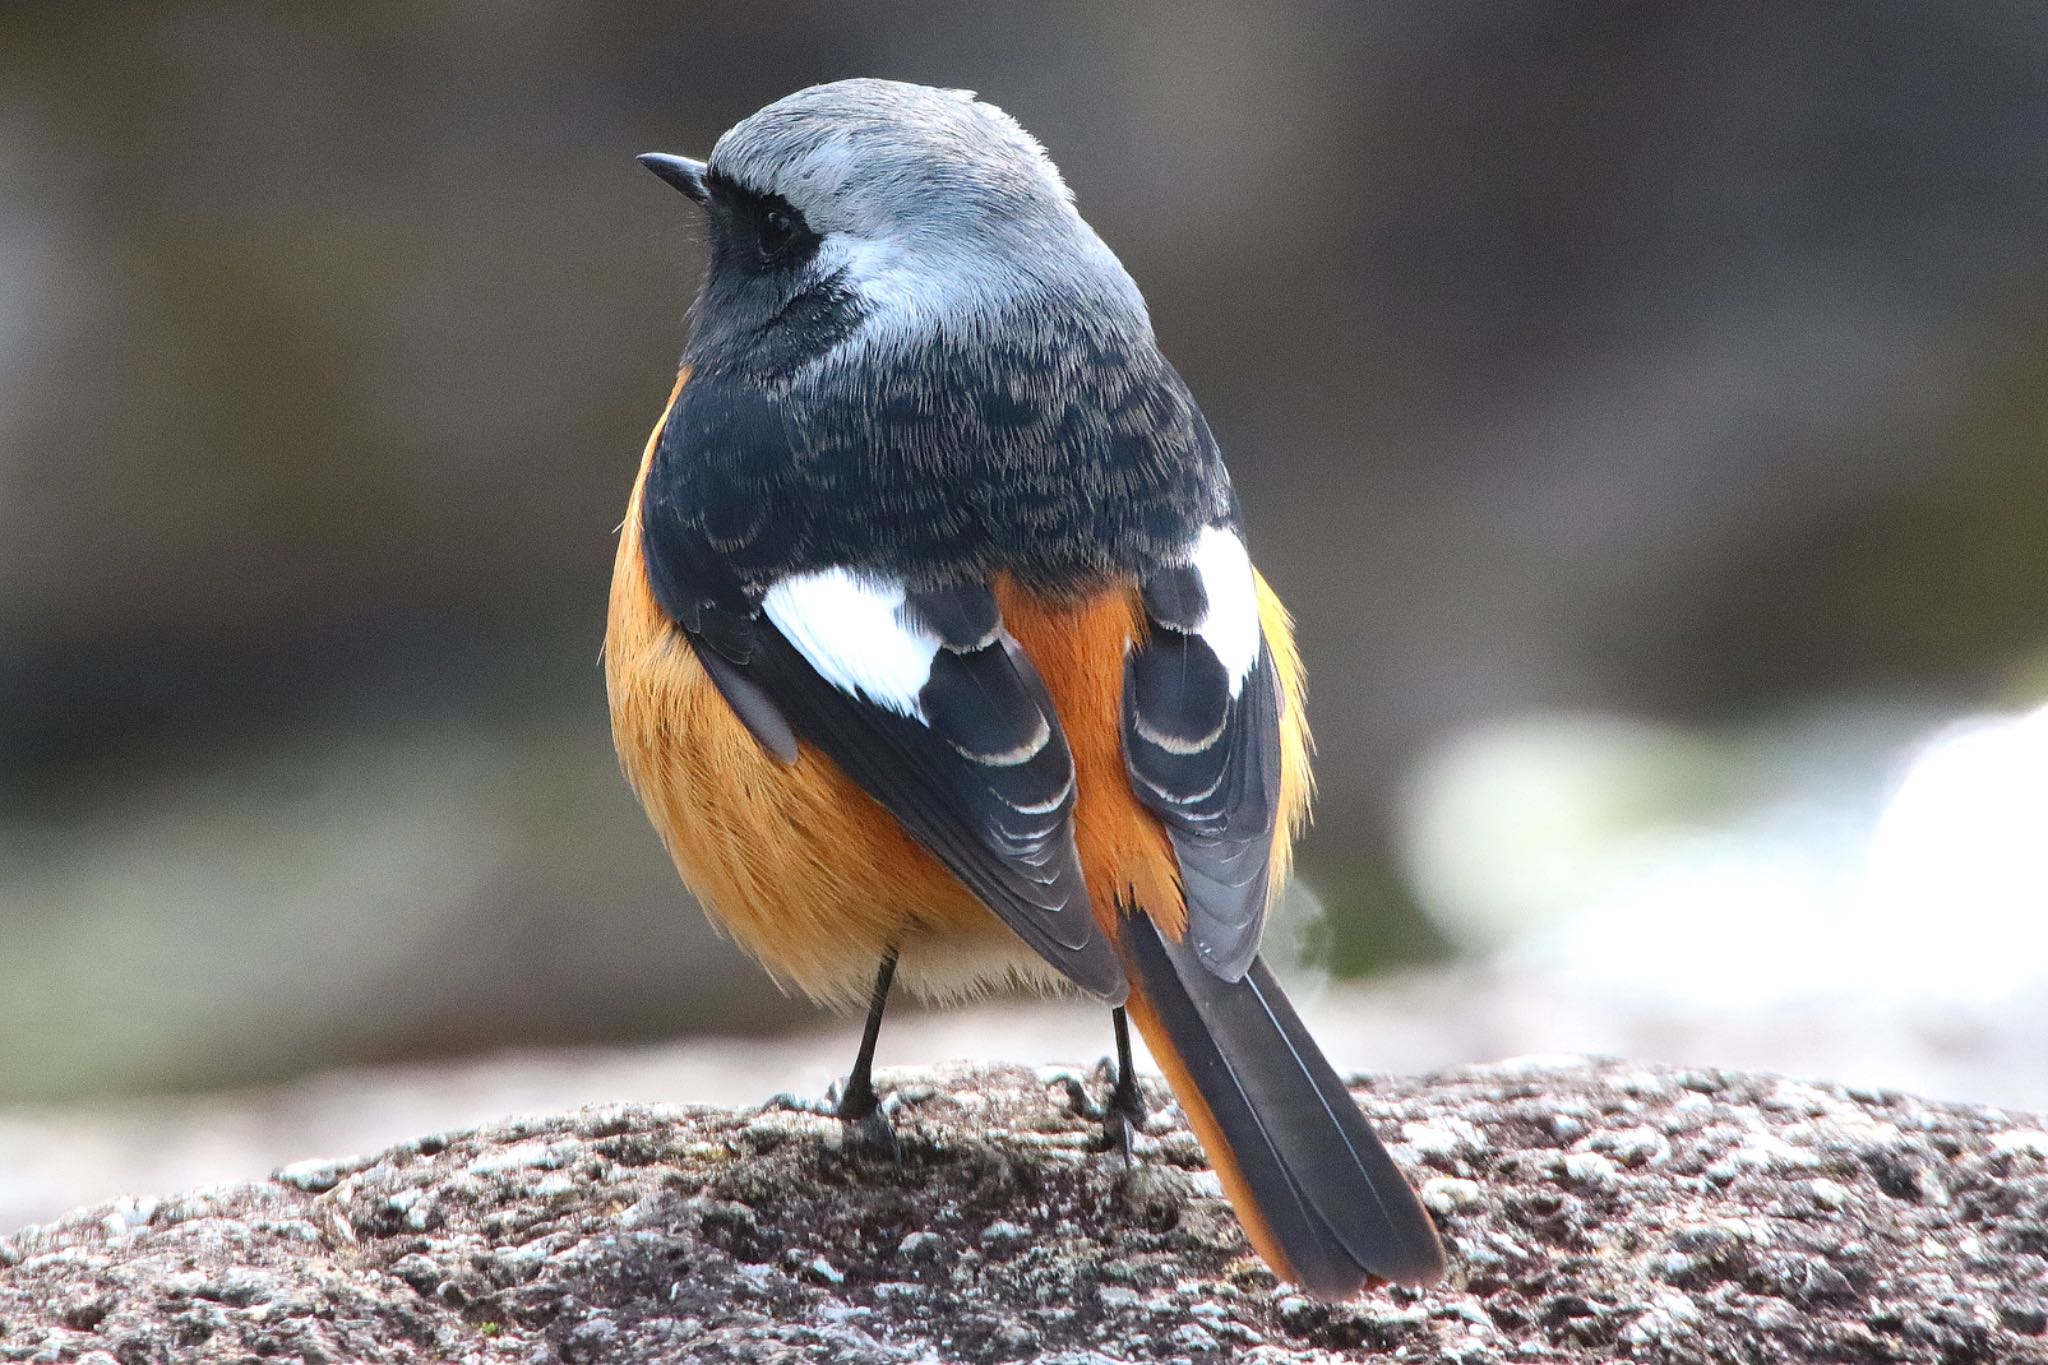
866 1116
1122 1112
1124 1118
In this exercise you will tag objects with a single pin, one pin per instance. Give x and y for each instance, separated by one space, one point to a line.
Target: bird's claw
866 1116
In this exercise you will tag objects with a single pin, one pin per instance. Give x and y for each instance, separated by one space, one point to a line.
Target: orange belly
817 881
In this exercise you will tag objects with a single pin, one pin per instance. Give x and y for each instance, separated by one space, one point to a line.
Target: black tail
1317 1193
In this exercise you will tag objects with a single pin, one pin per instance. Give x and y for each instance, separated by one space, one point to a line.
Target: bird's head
886 211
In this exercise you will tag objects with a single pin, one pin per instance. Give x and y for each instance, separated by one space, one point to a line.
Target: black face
754 233
765 308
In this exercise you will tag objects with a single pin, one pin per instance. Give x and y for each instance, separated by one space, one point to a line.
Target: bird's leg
859 1106
1124 1115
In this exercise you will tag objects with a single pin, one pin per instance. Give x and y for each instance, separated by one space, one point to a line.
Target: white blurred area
1860 894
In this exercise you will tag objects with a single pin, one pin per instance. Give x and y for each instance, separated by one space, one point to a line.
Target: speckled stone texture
1595 1211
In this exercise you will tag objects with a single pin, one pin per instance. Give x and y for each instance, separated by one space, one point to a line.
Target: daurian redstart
935 652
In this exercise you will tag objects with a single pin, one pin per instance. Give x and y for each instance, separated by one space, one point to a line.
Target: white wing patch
1230 625
850 628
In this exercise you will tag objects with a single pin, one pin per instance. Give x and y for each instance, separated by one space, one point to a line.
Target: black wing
981 775
1207 763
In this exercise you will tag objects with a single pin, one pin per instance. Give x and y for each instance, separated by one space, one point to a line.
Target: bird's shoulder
1057 452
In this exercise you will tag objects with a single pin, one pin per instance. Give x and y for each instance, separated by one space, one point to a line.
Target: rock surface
1595 1211
60 1157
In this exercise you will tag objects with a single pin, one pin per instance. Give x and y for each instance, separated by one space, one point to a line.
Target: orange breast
816 880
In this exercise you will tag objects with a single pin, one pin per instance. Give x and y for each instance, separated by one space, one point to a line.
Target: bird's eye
778 233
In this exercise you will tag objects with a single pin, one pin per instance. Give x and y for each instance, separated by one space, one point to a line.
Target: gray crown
874 157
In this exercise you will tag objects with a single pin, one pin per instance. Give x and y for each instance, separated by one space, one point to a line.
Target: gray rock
1849 1225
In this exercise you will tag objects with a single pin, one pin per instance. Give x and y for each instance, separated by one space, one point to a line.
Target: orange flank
813 878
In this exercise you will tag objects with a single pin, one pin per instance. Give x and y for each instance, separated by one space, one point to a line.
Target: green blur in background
1683 362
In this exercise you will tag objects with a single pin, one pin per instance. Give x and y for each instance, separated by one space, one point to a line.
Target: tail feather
1317 1193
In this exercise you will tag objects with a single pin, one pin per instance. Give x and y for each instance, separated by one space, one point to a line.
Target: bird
936 655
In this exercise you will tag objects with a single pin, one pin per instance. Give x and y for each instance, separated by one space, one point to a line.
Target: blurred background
1643 407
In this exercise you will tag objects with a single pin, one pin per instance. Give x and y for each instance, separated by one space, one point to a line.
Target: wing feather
1202 747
